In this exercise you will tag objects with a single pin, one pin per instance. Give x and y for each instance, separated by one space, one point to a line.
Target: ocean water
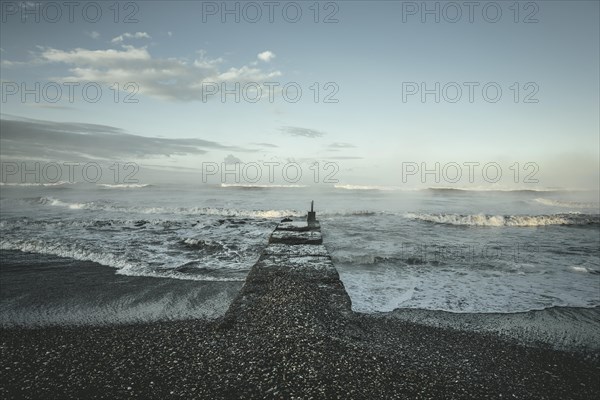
463 251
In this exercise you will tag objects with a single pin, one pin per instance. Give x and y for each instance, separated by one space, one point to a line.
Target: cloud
176 79
93 34
297 131
37 139
127 35
34 61
266 144
131 56
339 145
231 159
266 56
345 158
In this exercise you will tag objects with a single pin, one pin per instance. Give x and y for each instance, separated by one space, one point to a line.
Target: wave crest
123 265
124 185
506 220
33 184
564 203
258 186
211 211
364 187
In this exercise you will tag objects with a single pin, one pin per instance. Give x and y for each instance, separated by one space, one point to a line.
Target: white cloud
340 145
93 34
266 56
299 131
166 78
127 35
100 58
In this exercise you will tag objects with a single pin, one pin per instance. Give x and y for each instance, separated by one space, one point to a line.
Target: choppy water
460 251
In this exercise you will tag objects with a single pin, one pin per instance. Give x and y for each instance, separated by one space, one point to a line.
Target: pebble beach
290 333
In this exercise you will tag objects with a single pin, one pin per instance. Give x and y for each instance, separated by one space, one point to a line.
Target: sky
376 93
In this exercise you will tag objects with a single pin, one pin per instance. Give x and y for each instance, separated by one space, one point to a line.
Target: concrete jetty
297 262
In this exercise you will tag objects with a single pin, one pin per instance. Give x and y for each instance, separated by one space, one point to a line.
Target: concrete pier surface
289 334
297 262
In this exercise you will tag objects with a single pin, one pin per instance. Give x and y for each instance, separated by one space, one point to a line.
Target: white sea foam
495 189
51 201
584 270
504 220
64 250
211 211
470 291
365 187
223 212
261 186
33 184
567 204
123 265
124 185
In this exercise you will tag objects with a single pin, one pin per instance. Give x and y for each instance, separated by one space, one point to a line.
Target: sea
82 252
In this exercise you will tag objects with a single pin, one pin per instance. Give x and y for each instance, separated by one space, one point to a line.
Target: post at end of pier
311 218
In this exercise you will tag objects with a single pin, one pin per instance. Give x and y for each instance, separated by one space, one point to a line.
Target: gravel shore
293 342
290 333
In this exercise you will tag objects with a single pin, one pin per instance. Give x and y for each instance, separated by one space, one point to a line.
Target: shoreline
289 333
279 352
570 329
44 290
104 298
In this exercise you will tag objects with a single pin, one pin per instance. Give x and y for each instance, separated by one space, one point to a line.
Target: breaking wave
564 203
258 186
494 189
506 220
123 265
365 187
211 211
124 185
585 270
51 201
31 184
